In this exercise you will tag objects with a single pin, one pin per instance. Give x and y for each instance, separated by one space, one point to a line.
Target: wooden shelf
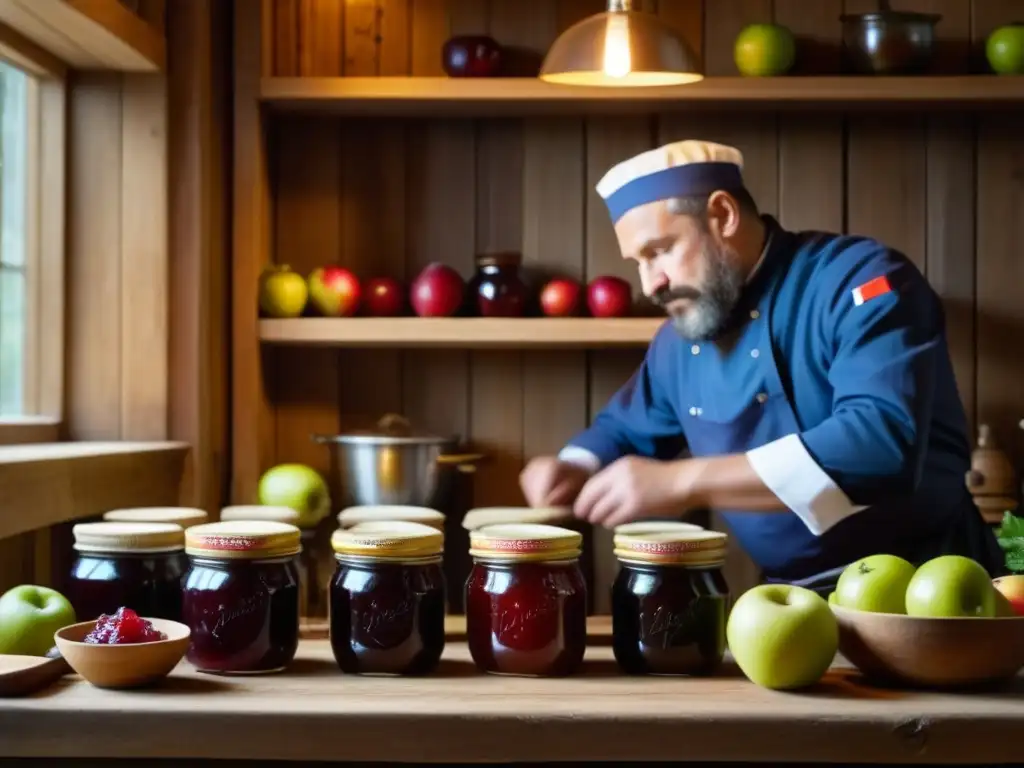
441 96
88 34
476 333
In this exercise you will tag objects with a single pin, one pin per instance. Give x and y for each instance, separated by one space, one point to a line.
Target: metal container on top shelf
394 464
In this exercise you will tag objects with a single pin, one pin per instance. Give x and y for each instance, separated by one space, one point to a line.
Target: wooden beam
27 55
88 34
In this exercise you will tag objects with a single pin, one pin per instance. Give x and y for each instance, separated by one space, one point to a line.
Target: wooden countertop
313 712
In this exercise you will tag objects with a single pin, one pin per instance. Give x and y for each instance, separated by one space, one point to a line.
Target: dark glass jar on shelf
132 565
526 600
497 289
670 602
183 517
311 594
241 596
387 598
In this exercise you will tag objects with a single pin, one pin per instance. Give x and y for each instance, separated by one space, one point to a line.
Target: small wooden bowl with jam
123 650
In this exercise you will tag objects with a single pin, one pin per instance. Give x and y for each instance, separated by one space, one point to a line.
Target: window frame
46 171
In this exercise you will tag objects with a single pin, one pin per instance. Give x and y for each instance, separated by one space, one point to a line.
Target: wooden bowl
123 666
941 653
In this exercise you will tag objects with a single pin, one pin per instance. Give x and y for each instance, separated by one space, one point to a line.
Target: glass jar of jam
311 594
497 285
241 596
388 598
132 565
185 517
366 513
670 602
526 600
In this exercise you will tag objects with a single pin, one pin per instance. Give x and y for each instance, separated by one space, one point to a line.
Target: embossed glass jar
184 517
134 565
670 602
241 596
526 600
311 591
388 598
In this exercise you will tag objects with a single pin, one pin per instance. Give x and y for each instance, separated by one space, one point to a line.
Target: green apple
832 598
299 487
282 292
1004 49
951 586
877 583
29 617
782 636
764 50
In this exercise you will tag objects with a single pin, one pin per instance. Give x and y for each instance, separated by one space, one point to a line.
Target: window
15 239
32 134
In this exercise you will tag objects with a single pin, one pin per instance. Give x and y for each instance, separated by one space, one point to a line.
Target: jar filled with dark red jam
311 592
131 565
497 285
388 598
670 602
241 596
526 600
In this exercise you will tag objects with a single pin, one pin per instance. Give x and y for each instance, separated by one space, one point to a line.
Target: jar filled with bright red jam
183 517
133 565
388 599
526 600
670 602
241 596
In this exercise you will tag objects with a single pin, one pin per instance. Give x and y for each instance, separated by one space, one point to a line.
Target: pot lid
391 429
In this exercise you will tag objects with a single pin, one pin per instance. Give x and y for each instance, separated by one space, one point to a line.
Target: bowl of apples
944 624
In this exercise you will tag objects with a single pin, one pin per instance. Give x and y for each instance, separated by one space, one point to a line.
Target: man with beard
805 374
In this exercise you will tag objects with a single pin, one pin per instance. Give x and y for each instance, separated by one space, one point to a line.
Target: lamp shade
620 48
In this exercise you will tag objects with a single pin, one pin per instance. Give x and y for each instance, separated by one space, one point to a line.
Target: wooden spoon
25 675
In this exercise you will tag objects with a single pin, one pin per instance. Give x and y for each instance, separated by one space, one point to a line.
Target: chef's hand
630 488
548 482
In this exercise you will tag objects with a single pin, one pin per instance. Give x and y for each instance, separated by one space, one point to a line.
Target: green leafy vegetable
1010 535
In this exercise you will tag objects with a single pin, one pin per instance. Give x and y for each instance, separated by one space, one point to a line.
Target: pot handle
463 462
320 439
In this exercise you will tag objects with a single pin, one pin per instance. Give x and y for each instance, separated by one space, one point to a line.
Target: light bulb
617 58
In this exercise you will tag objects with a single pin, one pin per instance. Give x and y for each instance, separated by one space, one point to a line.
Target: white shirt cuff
581 457
785 466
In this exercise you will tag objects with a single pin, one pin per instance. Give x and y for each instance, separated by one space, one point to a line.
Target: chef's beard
710 305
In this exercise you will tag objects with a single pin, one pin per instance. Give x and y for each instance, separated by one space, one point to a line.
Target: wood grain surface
314 712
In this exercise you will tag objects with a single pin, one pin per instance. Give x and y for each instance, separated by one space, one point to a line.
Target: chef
802 386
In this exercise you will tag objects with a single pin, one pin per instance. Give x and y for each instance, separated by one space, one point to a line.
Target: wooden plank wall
386 197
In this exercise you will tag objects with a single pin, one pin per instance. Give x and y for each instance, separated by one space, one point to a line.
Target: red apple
560 297
437 291
1012 588
384 297
334 291
609 296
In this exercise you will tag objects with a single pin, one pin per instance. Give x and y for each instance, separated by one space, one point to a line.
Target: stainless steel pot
888 42
394 465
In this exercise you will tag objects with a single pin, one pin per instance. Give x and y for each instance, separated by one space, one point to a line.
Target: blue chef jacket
840 389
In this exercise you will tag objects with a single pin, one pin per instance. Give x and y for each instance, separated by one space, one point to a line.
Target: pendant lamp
620 48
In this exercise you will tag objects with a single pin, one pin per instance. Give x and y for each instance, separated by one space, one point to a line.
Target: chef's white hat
674 170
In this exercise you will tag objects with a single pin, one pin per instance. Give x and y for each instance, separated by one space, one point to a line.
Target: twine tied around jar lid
688 548
243 540
524 542
388 540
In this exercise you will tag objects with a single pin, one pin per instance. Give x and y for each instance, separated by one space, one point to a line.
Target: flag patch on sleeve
872 289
